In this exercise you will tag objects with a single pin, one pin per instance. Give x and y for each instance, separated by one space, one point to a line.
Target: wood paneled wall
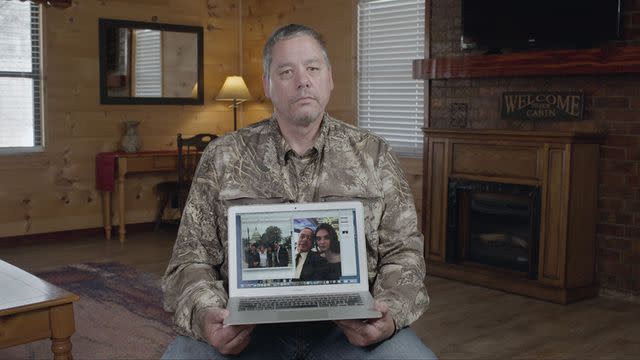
54 190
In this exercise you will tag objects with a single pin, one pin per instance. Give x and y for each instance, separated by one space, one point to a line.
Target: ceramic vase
130 141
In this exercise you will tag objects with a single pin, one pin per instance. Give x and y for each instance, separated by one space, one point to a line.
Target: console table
32 309
113 167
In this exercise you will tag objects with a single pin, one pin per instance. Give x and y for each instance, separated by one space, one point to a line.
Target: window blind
148 60
390 101
20 75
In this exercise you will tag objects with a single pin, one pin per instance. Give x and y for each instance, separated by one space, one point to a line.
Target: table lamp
234 89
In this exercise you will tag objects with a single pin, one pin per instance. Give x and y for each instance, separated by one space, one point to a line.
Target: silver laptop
279 272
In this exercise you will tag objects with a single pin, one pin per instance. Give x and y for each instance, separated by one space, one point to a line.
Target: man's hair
307 228
285 33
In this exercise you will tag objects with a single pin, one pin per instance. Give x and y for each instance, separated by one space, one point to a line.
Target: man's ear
265 86
331 78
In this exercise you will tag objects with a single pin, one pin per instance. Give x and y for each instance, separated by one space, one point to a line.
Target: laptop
270 283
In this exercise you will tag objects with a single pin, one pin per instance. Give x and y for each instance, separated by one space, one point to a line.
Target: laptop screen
294 248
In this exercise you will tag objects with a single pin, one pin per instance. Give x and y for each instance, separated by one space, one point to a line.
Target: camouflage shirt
256 165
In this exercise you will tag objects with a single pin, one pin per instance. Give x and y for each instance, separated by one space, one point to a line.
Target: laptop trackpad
302 314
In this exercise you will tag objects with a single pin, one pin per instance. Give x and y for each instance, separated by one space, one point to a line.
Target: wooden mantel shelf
616 60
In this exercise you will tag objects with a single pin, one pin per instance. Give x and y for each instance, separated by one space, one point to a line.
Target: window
390 101
148 57
20 75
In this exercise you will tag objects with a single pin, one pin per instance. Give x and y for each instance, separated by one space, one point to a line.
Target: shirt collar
284 150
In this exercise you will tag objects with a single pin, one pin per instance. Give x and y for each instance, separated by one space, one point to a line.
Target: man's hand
365 333
228 340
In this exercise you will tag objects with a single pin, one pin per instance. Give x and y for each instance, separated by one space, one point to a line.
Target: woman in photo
263 256
329 248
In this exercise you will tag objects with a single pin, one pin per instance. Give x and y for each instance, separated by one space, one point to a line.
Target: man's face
300 81
304 240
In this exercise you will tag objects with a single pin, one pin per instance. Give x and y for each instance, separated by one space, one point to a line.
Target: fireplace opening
495 225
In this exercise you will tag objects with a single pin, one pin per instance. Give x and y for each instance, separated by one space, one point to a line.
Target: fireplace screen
494 224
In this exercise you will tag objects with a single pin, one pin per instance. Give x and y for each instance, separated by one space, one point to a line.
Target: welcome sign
521 105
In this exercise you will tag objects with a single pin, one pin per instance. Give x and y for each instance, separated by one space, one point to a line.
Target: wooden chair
176 192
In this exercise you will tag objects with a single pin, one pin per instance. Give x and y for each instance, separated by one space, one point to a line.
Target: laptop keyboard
295 302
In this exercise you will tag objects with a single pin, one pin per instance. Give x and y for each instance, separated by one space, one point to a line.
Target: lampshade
234 89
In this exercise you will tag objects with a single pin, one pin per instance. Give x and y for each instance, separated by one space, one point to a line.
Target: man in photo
309 264
281 255
251 256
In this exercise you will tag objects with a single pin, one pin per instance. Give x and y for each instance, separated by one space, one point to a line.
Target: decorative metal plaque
522 105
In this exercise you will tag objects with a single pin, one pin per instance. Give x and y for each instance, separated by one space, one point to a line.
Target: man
252 257
300 154
309 264
281 255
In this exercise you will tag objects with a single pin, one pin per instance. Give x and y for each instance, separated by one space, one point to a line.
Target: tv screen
495 25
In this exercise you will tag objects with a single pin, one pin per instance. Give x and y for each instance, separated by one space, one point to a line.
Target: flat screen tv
498 25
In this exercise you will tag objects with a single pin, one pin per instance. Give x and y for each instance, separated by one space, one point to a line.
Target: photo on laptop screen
293 248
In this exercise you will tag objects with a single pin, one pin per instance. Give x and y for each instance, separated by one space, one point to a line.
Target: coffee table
32 309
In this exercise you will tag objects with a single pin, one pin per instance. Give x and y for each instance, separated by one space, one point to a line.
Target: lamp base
235 115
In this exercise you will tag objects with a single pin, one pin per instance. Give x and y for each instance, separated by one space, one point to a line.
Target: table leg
62 327
106 213
121 229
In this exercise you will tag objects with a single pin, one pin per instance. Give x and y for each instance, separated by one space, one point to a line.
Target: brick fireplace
464 90
513 210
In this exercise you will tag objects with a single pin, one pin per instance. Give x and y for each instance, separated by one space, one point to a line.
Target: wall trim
68 235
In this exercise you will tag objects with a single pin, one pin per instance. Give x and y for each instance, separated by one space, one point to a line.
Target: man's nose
303 80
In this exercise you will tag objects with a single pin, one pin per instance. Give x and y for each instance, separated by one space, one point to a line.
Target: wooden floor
147 251
463 322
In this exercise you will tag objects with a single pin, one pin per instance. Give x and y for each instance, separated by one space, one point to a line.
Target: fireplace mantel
564 165
616 60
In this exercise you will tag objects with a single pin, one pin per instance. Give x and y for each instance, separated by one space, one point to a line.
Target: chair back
189 153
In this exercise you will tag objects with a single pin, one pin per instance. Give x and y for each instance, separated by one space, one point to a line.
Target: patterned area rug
119 315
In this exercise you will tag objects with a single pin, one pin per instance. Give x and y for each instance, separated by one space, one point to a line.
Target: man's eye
313 68
285 72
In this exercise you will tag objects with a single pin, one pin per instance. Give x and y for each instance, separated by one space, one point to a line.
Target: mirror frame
106 99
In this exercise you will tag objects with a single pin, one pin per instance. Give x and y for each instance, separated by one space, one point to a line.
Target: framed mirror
150 63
